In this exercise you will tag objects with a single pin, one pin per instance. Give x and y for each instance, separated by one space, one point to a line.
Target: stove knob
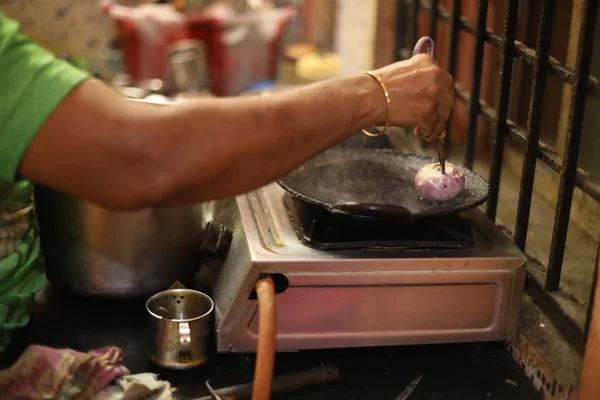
217 239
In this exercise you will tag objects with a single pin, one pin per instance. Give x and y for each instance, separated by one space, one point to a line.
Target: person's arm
126 155
81 137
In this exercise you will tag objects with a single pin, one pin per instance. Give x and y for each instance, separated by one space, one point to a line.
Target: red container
240 50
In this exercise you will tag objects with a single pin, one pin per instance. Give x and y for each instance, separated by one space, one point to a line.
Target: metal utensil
188 65
179 327
410 388
426 40
441 155
284 383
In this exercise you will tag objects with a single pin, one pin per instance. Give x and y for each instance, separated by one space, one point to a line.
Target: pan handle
372 212
425 40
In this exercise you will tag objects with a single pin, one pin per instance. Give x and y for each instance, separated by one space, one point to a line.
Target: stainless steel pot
90 250
93 251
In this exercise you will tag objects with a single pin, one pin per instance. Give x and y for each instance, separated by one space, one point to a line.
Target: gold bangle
388 102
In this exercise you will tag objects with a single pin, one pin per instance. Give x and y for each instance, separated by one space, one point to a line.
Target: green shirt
33 82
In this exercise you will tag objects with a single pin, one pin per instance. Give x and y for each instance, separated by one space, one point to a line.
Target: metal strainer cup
179 327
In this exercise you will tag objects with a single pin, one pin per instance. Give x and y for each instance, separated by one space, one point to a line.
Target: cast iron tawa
376 185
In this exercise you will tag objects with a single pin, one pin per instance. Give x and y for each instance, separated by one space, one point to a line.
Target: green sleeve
32 84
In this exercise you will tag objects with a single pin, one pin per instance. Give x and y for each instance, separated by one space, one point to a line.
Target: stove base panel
383 310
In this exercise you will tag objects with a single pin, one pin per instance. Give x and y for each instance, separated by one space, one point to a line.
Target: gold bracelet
388 102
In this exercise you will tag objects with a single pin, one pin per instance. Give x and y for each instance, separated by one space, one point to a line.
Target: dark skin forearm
255 141
126 155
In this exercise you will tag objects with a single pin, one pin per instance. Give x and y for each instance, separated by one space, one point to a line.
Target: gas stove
452 279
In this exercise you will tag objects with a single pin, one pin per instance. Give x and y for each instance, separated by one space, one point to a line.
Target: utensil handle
185 342
425 40
284 383
441 156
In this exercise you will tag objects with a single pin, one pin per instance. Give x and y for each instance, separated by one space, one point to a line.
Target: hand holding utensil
425 40
409 93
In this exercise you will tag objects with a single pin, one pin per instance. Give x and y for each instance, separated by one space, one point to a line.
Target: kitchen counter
463 371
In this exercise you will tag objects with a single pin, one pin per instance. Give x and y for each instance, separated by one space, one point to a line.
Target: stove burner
322 230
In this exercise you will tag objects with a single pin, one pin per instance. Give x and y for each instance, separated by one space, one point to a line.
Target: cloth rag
63 374
144 386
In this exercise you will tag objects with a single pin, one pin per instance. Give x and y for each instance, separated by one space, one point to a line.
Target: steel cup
179 327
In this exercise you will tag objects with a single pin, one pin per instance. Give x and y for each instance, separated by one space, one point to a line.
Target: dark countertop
463 371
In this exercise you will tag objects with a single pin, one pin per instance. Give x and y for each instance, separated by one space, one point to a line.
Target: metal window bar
569 164
415 15
534 123
474 112
452 54
508 54
434 18
583 85
523 52
592 299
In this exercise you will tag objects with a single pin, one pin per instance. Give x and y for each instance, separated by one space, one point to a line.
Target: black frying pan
376 185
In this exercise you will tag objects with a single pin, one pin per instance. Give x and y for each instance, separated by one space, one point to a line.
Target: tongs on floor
426 40
284 383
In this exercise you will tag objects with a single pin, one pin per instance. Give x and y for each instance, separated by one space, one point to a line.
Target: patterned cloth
44 373
16 206
22 272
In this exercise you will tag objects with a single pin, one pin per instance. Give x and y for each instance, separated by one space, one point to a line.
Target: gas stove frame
358 298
